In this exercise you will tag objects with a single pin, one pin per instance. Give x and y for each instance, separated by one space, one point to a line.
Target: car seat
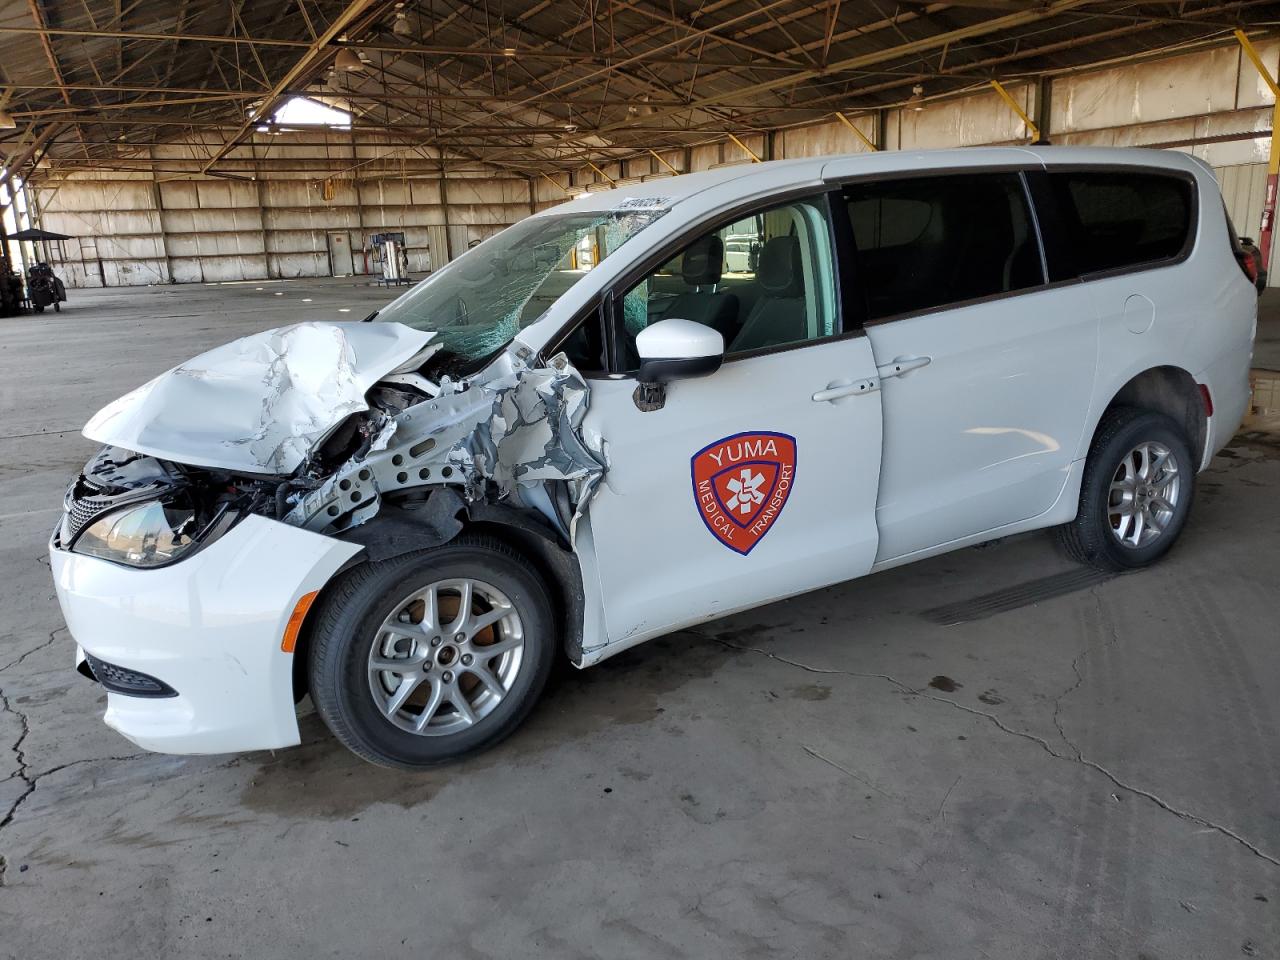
700 267
779 314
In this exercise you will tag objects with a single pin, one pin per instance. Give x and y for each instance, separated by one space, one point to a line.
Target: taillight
1248 263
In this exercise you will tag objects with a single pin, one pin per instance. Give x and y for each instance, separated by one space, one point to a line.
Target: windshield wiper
369 318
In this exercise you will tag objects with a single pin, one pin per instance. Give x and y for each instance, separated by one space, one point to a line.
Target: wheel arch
1166 389
394 532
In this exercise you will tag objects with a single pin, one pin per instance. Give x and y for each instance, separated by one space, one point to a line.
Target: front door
759 481
986 372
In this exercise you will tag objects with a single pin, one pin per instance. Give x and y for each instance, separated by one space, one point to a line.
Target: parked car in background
522 458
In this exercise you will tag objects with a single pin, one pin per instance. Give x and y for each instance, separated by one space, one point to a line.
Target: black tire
347 625
1090 538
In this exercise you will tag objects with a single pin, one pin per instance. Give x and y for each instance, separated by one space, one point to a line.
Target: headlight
147 534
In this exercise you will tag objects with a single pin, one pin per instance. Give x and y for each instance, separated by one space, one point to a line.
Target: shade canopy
33 234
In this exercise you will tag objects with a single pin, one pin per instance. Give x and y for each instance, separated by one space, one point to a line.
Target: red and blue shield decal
741 484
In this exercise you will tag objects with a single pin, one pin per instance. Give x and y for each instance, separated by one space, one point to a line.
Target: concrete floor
1095 775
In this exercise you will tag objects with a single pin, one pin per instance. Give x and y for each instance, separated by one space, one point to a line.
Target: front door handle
901 366
841 389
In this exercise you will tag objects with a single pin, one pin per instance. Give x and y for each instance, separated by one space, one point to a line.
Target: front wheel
432 656
1136 494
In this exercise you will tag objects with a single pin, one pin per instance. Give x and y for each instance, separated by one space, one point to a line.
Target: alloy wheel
446 657
1144 494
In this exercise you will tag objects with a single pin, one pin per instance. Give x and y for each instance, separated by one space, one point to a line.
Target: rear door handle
901 366
839 390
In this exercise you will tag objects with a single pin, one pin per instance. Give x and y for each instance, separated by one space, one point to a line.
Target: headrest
703 261
779 270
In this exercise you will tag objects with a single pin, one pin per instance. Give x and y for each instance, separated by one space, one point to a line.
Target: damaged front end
323 426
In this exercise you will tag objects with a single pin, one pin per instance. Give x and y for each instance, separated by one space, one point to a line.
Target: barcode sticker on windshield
643 203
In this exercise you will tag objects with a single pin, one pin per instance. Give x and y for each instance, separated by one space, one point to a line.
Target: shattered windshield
480 301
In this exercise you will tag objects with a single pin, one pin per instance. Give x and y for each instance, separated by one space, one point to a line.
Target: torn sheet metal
518 429
260 404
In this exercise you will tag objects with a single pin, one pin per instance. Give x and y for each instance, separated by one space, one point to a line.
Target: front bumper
210 627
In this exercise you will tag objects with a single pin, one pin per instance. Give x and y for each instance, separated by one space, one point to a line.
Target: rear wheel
432 656
1136 494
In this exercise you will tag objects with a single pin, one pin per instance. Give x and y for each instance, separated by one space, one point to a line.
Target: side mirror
672 349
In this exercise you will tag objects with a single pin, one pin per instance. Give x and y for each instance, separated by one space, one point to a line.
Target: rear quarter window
1120 219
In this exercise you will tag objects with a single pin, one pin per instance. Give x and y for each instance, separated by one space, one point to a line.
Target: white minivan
594 428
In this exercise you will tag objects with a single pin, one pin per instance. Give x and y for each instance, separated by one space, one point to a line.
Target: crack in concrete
1041 742
53 635
23 772
32 779
1075 669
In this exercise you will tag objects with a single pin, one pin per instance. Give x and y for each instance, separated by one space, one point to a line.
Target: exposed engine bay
329 459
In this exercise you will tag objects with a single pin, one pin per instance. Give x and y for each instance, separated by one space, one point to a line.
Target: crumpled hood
260 404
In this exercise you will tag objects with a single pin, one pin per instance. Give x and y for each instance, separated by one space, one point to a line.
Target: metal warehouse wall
139 230
133 229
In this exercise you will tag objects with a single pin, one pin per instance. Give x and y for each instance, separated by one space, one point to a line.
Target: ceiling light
6 121
509 51
402 27
916 100
348 61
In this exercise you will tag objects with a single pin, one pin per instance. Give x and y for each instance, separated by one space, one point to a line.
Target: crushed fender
509 435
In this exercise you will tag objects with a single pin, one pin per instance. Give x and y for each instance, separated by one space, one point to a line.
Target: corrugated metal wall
131 230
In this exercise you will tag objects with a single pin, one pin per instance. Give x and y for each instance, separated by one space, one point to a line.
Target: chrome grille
85 501
80 512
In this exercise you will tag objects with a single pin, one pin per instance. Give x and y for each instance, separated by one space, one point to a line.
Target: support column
355 186
262 218
1043 109
262 208
158 199
444 209
1273 160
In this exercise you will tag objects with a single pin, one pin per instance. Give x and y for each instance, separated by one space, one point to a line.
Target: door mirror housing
674 349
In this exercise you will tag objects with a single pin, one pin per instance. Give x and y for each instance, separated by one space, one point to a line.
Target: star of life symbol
746 491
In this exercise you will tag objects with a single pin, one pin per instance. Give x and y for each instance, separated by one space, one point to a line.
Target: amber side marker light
291 629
